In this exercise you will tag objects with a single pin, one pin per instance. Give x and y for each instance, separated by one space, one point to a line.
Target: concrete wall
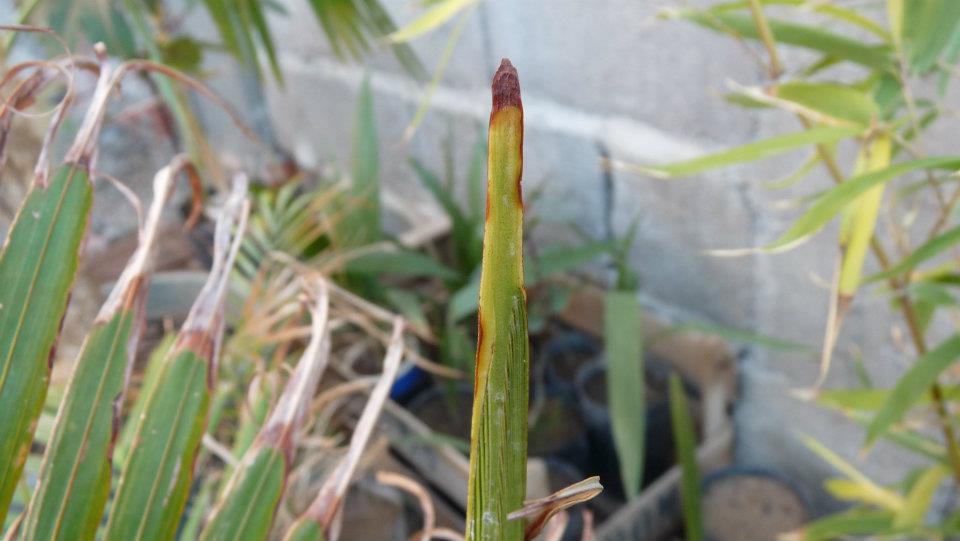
610 75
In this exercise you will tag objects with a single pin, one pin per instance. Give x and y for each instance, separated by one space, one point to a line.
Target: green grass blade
912 386
625 384
37 267
498 435
687 453
155 478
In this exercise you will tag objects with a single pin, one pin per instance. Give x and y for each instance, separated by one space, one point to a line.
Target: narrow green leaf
856 486
877 57
74 478
834 100
912 385
556 260
304 529
874 157
857 522
399 263
834 200
686 443
438 14
926 251
364 223
840 13
928 27
37 267
751 151
156 475
498 435
247 511
149 380
625 384
918 500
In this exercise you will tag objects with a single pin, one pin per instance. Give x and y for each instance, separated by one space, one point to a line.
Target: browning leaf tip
506 87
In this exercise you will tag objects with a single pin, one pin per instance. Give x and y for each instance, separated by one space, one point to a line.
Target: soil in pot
742 504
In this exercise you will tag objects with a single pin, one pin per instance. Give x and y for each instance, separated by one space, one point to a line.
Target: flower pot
563 356
659 453
750 504
558 431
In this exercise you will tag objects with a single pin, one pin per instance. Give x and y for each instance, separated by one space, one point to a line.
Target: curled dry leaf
538 512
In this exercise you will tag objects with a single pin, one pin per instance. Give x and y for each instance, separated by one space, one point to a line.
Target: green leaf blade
912 386
155 480
250 500
685 439
74 480
753 151
37 267
625 384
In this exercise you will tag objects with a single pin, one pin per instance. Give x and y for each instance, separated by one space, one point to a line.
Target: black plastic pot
659 452
563 356
446 410
559 432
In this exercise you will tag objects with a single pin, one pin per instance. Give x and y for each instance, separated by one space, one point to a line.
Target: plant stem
906 306
766 36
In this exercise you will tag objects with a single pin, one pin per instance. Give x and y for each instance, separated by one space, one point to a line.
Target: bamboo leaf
857 486
834 200
37 266
833 45
498 435
625 384
917 502
865 209
437 15
690 497
747 153
927 28
834 100
155 478
857 522
912 385
926 251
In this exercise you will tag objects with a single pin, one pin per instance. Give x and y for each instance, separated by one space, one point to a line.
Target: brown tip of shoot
506 87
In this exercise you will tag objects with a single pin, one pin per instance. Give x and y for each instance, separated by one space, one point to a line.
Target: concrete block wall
610 77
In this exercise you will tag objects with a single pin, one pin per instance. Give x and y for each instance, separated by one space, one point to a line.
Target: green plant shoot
498 435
